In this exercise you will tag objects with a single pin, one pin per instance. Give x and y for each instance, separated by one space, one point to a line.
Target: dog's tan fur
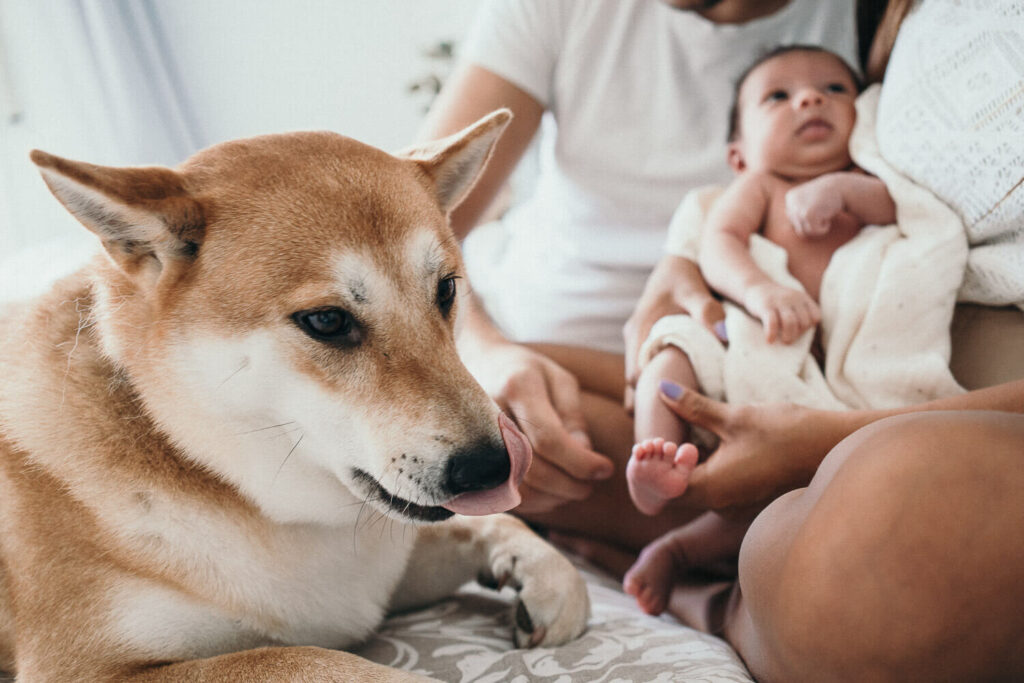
177 453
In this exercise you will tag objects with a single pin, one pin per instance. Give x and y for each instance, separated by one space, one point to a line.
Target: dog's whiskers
355 527
242 366
263 429
279 467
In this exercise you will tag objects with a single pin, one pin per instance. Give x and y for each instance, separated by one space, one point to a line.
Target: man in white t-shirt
631 97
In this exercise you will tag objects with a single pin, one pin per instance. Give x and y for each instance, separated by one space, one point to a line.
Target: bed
468 638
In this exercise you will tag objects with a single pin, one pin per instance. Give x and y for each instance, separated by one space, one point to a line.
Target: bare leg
708 541
652 417
901 561
660 464
608 515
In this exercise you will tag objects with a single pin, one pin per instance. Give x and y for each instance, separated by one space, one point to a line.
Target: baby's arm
812 206
729 268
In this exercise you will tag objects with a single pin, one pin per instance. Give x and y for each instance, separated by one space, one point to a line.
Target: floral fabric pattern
468 639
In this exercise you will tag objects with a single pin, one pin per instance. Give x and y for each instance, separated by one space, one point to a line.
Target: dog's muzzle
477 469
485 481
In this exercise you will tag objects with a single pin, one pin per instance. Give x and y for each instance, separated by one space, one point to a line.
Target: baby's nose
807 97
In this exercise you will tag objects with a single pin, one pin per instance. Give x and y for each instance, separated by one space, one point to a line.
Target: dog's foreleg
273 664
499 550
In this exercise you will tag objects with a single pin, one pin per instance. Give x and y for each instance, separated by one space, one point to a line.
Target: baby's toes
651 601
686 456
644 449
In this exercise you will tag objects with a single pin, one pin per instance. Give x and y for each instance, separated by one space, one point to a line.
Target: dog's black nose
477 469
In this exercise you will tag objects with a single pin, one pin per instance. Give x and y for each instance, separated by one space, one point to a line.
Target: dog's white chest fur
302 584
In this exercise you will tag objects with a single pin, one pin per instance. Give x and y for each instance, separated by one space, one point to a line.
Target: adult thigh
903 559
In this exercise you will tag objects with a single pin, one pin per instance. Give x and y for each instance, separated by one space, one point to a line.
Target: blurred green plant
429 85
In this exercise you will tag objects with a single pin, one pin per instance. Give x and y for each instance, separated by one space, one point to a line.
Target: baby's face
796 115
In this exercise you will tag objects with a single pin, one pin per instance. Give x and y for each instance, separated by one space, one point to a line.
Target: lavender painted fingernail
720 331
671 389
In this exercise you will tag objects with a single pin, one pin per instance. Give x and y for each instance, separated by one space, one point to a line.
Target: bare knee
901 562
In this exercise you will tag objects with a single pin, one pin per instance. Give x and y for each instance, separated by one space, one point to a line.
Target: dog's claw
525 624
523 620
538 637
487 580
553 603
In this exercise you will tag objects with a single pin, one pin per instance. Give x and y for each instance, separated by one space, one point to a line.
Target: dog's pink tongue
506 496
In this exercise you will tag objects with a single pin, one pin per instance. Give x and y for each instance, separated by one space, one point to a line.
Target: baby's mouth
814 129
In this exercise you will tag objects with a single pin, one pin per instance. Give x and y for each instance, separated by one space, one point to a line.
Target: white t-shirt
638 96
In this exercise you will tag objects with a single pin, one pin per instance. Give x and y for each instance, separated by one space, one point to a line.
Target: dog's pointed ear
143 216
454 163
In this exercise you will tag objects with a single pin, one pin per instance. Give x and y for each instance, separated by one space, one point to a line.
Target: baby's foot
651 577
658 471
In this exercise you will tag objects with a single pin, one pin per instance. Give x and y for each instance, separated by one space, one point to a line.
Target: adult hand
764 450
785 312
674 286
544 400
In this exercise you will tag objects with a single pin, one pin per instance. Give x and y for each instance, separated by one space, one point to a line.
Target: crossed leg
902 560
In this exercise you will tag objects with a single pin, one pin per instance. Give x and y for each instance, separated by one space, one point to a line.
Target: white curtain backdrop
86 79
129 82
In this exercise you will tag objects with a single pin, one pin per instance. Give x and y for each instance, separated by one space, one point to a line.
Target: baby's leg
701 544
659 467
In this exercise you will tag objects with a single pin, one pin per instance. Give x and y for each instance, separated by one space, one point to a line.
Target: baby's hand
785 312
812 206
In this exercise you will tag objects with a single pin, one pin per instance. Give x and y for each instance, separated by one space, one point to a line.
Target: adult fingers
551 441
537 502
547 479
695 408
633 334
712 315
565 398
629 398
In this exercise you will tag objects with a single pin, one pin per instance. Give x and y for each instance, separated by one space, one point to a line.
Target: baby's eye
776 96
836 87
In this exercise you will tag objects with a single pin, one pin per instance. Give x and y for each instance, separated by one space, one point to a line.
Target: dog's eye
332 325
446 293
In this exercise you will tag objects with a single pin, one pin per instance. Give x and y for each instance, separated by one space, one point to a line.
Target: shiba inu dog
197 429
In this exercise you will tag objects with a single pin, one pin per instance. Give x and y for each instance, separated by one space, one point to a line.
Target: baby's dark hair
734 110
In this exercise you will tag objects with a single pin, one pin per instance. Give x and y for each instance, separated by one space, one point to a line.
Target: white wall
245 67
259 66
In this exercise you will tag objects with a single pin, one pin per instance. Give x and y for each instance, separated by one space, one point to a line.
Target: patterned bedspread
468 638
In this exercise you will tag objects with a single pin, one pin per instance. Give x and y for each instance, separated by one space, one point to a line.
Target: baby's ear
734 156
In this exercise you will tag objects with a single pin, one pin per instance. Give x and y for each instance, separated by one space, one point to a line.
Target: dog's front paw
553 605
